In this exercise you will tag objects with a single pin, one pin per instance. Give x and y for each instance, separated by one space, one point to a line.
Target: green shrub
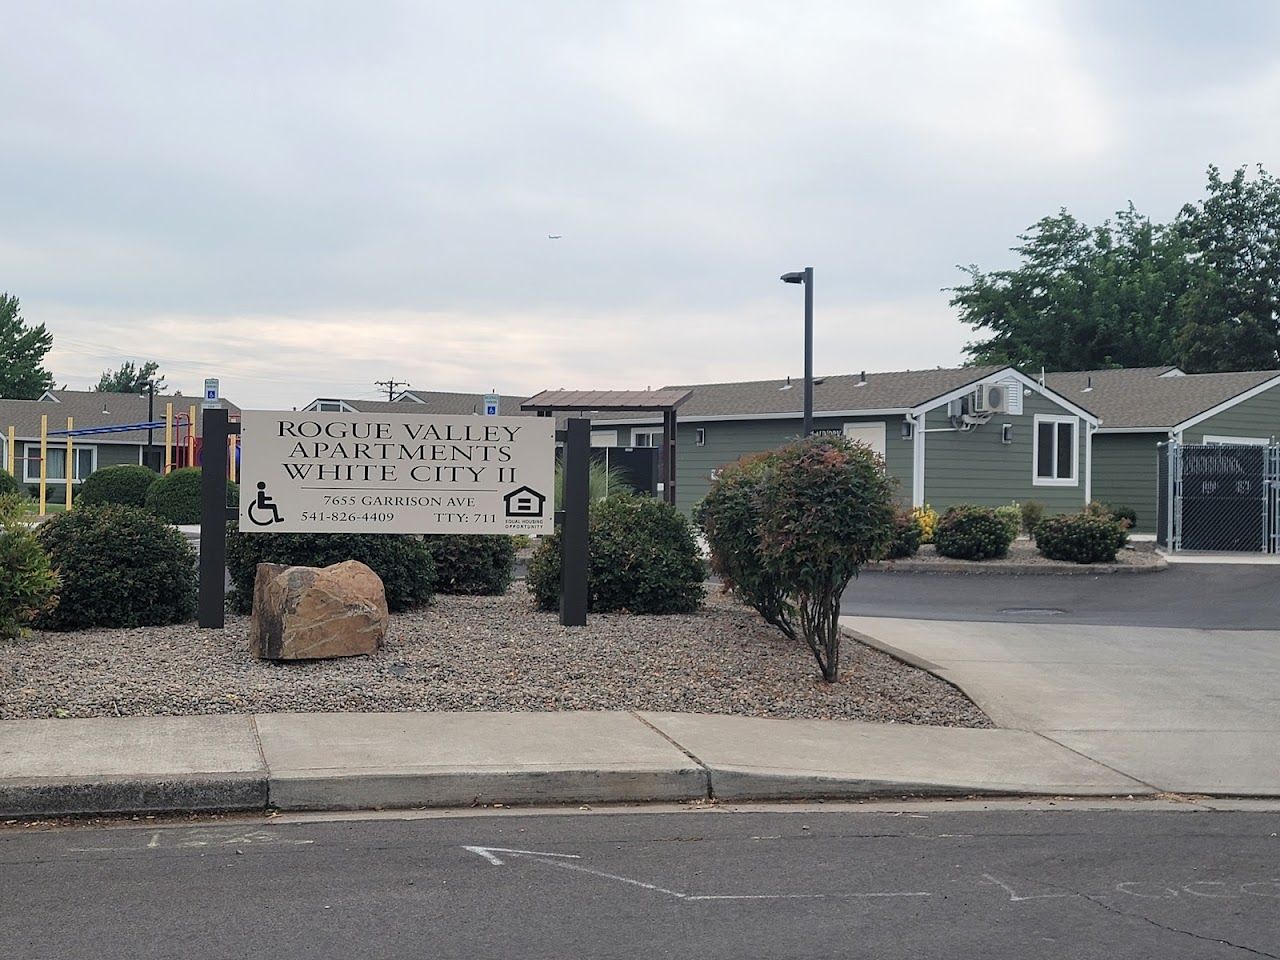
120 567
602 482
972 533
404 562
906 537
643 559
9 485
1032 514
28 585
126 484
729 516
472 563
1126 516
175 497
1081 538
1011 516
826 509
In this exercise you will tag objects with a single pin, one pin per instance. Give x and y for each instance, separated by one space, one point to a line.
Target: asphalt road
1207 596
809 883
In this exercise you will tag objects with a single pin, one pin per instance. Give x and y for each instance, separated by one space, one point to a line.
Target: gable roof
1144 398
87 407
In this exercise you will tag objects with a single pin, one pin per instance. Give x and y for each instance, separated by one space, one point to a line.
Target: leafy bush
404 562
1011 516
472 563
1032 514
972 533
826 509
927 519
120 567
9 485
176 496
1081 538
729 516
1126 516
643 559
28 585
906 537
127 484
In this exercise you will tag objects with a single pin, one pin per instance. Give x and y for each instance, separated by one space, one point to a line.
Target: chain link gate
1219 497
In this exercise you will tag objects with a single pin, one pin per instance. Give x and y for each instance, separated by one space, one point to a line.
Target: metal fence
1219 497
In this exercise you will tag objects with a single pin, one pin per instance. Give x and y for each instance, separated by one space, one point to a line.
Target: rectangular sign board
305 472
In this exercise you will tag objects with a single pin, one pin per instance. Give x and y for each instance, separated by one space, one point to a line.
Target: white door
872 434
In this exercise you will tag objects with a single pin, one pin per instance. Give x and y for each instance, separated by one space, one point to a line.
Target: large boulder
309 613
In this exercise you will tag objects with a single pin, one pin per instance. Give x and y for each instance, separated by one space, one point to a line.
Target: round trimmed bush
176 496
127 484
1081 538
9 485
472 564
906 537
404 562
120 567
972 533
643 559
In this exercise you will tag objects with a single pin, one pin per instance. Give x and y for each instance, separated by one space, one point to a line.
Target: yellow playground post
44 458
191 436
168 437
11 455
70 471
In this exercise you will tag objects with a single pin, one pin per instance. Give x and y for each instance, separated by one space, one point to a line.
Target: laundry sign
311 472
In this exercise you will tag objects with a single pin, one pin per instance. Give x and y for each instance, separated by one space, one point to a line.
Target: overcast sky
303 198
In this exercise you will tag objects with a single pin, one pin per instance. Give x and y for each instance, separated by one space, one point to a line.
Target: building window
1057 451
329 406
646 437
701 434
86 459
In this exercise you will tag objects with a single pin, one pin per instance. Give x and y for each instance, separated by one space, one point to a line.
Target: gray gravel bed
476 653
1023 553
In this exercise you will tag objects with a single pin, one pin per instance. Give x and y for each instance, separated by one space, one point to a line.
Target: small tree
729 516
826 509
131 378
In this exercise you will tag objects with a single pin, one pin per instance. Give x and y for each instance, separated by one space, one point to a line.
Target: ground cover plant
643 558
119 567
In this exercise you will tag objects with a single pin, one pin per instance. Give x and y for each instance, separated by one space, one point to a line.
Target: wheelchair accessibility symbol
263 512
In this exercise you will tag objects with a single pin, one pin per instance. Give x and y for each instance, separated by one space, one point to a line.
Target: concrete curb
976 568
54 797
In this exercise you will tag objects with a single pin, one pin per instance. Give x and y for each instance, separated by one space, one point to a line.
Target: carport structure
667 402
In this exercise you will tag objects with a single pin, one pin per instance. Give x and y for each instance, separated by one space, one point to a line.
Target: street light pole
806 277
151 415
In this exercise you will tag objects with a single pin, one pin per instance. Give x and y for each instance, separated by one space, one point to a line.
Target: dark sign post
214 514
573 531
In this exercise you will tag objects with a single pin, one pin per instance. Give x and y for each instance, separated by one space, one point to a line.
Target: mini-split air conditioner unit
991 398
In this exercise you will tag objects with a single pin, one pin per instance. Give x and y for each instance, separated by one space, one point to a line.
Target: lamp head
796 276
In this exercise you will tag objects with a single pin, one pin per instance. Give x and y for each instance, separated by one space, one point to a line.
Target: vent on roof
787 385
1088 384
862 379
819 382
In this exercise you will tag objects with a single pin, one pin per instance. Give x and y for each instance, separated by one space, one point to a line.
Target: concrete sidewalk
1182 710
361 761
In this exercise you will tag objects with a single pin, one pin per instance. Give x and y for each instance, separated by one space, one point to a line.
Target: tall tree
1230 317
1202 292
22 352
131 378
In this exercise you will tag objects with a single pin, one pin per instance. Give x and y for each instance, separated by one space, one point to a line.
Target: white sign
491 402
304 472
210 392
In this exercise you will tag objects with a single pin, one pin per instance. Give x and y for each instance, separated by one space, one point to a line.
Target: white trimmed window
86 461
1056 451
646 436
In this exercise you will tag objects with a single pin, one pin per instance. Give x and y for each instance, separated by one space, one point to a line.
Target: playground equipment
182 448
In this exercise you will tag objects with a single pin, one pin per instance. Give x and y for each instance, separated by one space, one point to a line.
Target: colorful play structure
181 447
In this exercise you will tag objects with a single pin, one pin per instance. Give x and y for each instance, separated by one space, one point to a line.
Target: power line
391 386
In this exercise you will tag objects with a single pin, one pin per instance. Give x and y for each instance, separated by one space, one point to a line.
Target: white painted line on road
490 854
1015 897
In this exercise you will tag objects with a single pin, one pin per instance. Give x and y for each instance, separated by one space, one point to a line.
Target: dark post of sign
214 514
573 531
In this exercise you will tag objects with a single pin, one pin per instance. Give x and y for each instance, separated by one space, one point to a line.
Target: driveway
1171 678
1209 596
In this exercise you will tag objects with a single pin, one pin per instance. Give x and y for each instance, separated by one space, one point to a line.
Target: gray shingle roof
458 404
899 390
1141 397
86 408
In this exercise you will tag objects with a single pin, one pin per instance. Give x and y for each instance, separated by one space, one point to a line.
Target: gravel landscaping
476 653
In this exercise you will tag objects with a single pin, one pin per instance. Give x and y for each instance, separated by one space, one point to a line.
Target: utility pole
391 386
